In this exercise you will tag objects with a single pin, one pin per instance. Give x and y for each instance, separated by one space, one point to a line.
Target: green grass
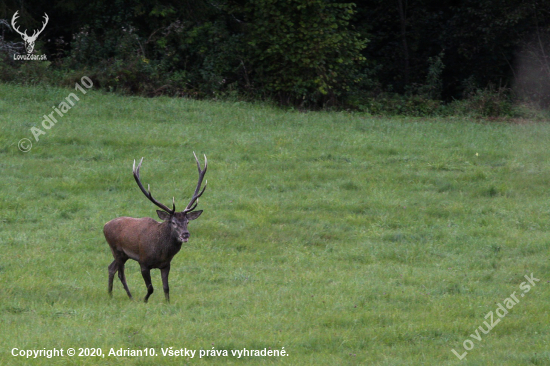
344 238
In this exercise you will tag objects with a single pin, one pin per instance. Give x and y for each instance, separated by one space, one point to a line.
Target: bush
302 52
488 102
179 59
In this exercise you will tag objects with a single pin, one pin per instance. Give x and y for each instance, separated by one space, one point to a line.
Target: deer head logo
29 40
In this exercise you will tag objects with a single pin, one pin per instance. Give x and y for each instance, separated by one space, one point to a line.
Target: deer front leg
146 273
164 274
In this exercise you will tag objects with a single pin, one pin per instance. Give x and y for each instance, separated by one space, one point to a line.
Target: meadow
345 238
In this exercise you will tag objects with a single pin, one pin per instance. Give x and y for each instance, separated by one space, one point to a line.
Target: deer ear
193 215
163 215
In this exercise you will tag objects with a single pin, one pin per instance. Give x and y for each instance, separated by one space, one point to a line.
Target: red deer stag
150 243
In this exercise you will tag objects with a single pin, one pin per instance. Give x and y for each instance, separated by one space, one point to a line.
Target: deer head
178 221
29 40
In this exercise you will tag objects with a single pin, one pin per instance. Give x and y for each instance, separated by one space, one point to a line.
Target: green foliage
309 53
114 59
479 103
302 51
208 57
27 72
179 59
433 87
489 102
89 47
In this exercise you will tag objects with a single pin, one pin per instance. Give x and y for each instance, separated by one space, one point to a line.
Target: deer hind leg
113 268
146 273
123 277
118 266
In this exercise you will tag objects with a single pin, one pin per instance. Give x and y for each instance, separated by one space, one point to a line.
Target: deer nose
185 236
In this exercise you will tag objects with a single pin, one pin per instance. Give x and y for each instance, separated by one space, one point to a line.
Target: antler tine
15 16
194 206
147 192
36 32
198 192
44 23
197 198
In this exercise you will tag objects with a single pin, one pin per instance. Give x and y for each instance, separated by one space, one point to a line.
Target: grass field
344 238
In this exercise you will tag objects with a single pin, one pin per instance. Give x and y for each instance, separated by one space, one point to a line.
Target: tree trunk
403 20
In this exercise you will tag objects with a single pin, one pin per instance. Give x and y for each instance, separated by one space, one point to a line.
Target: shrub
179 59
488 102
302 52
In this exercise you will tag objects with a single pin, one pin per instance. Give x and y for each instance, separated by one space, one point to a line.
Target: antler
24 34
196 195
15 16
147 192
35 35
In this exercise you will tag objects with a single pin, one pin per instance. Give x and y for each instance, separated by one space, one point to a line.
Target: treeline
370 54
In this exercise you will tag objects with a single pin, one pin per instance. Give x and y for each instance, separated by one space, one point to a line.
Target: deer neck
167 234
